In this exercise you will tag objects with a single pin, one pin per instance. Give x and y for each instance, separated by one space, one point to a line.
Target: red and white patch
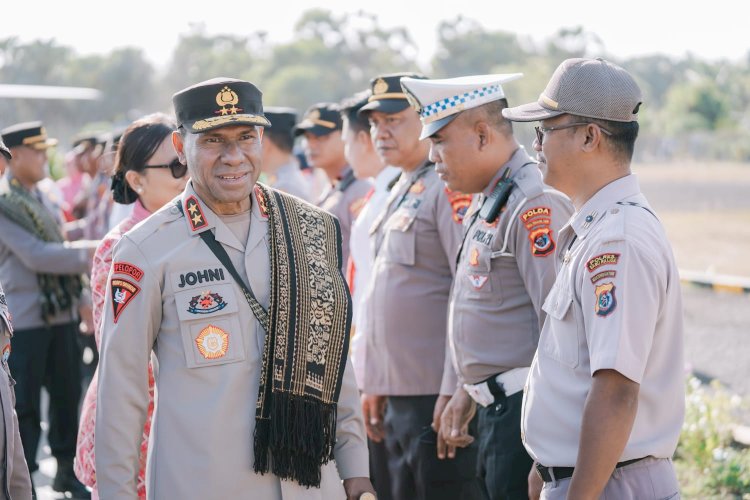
195 214
128 269
535 212
262 203
460 203
477 280
123 291
212 342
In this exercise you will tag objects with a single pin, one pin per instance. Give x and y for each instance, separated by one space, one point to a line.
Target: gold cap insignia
313 115
227 99
380 87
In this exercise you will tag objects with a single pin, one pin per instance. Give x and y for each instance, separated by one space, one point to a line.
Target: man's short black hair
349 109
282 139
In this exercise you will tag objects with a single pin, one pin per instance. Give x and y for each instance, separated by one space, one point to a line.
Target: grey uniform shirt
14 473
345 200
616 304
172 295
504 273
22 256
415 242
289 179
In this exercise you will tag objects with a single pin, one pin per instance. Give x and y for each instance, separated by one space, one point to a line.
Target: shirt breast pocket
480 275
560 340
400 247
210 326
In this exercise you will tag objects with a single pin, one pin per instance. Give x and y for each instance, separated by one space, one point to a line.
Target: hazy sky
716 29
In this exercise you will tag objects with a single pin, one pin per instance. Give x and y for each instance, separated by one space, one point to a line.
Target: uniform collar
139 211
385 177
517 160
596 207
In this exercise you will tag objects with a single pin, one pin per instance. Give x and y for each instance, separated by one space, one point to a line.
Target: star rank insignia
195 214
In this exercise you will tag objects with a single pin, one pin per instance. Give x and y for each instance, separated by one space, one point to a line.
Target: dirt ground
705 208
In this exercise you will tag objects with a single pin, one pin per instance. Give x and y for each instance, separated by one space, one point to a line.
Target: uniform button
589 218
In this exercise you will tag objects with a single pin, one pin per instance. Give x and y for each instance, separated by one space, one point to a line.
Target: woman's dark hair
137 145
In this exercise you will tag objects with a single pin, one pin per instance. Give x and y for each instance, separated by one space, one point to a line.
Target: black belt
549 474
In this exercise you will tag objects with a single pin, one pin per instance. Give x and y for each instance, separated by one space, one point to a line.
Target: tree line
692 108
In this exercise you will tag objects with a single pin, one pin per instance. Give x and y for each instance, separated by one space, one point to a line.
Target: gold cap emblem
313 115
380 87
227 99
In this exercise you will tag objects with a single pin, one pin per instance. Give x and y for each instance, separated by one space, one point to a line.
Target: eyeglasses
178 169
540 131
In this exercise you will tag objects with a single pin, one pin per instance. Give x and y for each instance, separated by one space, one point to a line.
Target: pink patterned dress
84 461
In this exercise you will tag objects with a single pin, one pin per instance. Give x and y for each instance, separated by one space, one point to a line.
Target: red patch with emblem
605 299
195 214
123 291
459 203
129 269
262 204
478 280
605 259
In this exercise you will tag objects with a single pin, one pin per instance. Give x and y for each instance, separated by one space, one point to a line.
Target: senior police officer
42 277
248 317
280 167
408 377
605 401
16 483
324 149
505 267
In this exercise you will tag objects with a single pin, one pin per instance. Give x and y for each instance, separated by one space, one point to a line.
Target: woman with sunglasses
148 175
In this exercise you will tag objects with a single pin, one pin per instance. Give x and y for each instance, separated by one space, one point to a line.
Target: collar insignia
195 214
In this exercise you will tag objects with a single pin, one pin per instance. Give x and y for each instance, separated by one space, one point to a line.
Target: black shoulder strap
208 238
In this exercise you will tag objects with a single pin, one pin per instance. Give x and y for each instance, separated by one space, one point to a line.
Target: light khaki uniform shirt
616 304
504 273
176 298
415 243
14 473
345 200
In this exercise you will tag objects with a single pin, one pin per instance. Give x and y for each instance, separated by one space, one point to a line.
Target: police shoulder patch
460 203
128 269
605 299
604 259
123 291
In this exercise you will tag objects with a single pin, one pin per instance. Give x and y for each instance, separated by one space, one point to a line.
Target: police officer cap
282 119
320 119
4 150
219 102
31 134
439 102
387 95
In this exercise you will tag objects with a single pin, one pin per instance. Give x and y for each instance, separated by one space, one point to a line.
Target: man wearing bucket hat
237 289
408 376
605 399
505 267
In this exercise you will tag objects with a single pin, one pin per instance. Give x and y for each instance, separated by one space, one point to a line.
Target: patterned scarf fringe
298 442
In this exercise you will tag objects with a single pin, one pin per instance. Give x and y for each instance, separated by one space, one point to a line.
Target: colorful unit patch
459 203
206 303
417 188
212 342
604 274
605 299
195 214
535 212
478 280
6 352
123 292
542 243
604 259
129 269
262 205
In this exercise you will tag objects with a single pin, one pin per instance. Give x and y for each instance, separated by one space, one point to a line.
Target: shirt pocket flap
207 302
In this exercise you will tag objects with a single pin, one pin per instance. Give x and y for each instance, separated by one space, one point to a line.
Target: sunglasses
178 169
540 131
